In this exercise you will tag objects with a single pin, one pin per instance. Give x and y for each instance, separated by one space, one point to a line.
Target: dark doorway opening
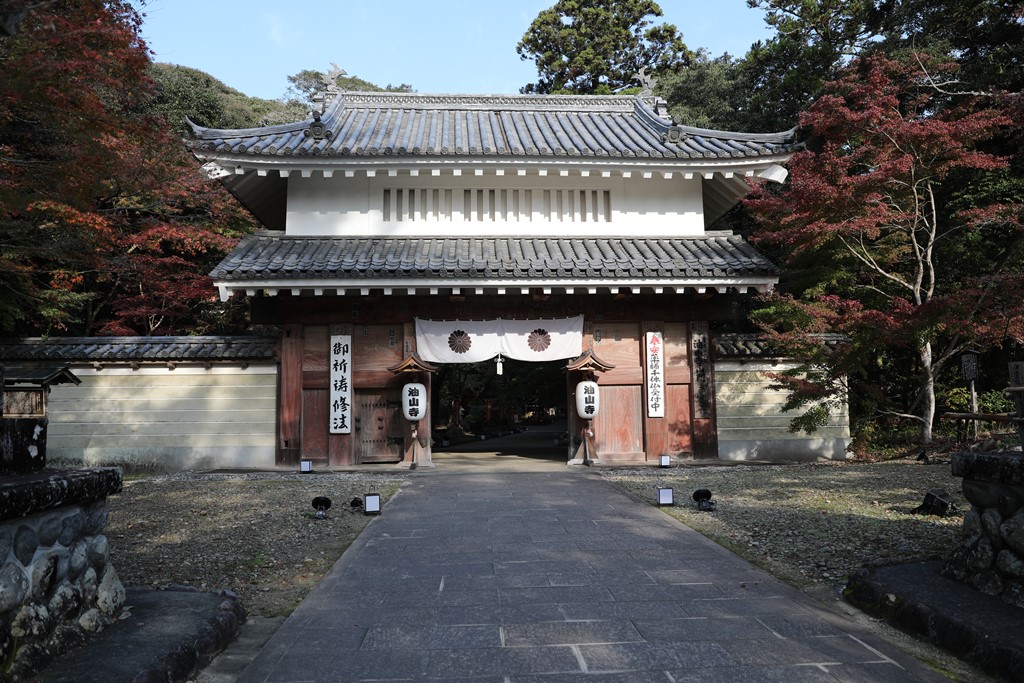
520 412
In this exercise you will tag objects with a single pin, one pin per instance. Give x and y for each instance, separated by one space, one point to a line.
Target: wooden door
378 426
618 429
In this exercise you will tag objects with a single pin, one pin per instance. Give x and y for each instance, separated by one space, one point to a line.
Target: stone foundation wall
57 585
990 556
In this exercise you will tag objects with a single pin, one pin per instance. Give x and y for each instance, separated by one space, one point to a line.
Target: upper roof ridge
362 99
418 126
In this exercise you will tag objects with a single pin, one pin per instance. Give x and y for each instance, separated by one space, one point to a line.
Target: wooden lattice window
496 204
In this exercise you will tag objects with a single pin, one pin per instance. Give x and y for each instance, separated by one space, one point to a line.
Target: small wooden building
24 393
409 230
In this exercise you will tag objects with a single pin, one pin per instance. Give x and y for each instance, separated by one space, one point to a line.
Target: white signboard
341 384
655 348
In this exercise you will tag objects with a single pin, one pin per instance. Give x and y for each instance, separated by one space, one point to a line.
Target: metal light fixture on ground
371 503
321 504
305 466
664 460
703 499
936 502
665 496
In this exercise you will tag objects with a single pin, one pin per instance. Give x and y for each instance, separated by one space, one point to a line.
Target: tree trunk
928 392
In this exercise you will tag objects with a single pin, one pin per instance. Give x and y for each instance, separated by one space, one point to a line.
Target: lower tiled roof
138 349
279 257
752 345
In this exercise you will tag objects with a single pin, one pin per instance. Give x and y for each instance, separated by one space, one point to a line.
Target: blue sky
437 46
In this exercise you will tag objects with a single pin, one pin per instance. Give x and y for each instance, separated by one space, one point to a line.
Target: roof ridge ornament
671 133
318 130
674 135
647 82
329 88
333 75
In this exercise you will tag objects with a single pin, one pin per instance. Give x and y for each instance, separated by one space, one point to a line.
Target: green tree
985 37
596 46
182 92
813 40
305 84
185 92
709 93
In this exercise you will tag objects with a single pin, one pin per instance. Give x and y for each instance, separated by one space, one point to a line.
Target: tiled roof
138 349
402 125
37 374
752 345
365 259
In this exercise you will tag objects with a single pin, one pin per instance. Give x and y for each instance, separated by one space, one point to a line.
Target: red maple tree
106 225
888 234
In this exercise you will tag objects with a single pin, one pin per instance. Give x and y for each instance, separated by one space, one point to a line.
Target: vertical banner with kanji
655 348
341 384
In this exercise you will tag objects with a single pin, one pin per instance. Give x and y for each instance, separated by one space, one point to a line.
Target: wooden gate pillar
705 429
289 444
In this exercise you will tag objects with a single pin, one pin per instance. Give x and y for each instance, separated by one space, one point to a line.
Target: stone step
229 664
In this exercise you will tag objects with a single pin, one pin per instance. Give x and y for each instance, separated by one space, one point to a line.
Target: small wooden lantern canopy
588 362
413 363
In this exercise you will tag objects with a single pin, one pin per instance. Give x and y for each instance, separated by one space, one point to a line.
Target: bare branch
939 86
908 416
864 256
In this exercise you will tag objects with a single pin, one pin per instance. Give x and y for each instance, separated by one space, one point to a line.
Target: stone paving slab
549 576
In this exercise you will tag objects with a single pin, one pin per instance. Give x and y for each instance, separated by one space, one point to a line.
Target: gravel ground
255 534
812 525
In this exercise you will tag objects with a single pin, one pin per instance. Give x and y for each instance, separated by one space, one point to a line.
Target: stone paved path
551 575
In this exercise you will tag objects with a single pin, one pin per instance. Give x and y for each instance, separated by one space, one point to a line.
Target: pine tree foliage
597 46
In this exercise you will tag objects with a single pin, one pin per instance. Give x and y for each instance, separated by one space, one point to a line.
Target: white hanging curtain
457 341
541 340
471 341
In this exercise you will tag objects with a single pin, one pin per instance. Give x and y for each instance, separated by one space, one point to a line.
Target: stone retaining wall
57 585
991 553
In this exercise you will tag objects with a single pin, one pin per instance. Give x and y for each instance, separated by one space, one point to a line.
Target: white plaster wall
752 426
658 206
187 418
342 206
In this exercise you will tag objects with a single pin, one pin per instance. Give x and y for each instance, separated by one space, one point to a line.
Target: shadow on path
538 448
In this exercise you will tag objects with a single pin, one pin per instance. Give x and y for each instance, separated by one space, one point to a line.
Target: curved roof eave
275 263
242 162
373 126
320 287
